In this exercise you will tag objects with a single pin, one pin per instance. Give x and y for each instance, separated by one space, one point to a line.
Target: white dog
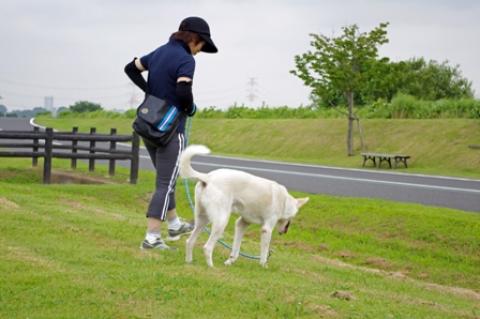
222 191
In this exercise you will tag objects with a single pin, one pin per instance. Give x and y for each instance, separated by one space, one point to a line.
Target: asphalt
440 191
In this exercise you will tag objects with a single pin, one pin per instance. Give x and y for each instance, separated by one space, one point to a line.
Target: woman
170 74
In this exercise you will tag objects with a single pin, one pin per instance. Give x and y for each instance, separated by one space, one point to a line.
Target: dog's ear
301 201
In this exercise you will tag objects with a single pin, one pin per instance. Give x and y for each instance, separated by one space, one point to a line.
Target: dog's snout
284 229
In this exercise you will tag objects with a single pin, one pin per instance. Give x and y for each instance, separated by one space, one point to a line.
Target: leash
192 205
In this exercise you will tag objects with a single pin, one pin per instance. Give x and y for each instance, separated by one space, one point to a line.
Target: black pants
166 161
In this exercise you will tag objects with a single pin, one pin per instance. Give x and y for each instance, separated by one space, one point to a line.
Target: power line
52 87
6 93
230 89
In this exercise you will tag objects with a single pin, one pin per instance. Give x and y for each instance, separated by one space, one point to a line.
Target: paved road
430 190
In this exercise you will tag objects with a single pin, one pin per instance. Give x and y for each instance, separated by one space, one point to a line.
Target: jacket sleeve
185 97
136 76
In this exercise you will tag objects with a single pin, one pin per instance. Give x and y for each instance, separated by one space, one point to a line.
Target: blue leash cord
190 201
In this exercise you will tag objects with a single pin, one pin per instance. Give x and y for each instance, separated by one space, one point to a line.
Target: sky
76 50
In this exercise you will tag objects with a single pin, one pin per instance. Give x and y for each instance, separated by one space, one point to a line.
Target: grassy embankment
437 146
71 251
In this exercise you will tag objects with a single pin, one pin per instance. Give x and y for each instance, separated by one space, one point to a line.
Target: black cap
199 26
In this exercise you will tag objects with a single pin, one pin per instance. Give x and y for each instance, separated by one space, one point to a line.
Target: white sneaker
158 244
185 228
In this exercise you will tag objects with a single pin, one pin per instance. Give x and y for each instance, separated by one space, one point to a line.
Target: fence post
35 147
73 163
134 162
47 159
91 161
113 145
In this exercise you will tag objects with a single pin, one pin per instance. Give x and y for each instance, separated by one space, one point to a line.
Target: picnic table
378 158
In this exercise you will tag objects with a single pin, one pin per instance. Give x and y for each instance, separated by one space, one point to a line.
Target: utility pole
252 90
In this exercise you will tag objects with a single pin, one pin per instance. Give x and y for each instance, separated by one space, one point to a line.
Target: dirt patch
5 203
78 206
401 276
313 275
323 311
343 295
28 256
345 254
298 245
323 247
59 177
377 262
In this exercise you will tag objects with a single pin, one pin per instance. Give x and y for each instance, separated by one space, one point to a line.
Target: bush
407 106
92 115
378 109
264 112
130 114
401 106
85 106
468 108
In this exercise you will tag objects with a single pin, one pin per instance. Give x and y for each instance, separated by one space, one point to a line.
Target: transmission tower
252 90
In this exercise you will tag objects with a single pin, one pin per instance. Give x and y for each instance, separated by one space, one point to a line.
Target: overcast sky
76 50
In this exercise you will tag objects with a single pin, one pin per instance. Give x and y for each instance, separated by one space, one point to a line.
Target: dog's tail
186 170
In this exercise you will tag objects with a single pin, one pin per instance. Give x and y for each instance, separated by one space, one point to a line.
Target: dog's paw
229 262
264 265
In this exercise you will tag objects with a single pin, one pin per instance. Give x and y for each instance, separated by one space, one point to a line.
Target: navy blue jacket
165 65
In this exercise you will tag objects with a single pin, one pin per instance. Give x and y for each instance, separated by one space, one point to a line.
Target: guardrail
94 153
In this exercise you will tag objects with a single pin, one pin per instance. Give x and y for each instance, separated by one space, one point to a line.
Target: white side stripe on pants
173 178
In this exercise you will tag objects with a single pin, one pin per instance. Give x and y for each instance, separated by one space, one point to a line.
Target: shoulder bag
156 120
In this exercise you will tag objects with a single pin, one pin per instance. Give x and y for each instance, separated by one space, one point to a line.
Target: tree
432 80
3 110
424 80
339 68
62 109
85 106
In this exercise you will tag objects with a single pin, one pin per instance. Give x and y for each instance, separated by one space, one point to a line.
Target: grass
437 146
71 251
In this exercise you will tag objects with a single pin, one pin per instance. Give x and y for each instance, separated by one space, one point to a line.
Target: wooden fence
93 152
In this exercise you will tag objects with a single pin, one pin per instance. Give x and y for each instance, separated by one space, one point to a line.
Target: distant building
48 105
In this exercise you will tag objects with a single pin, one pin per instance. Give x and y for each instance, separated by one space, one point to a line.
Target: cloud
77 49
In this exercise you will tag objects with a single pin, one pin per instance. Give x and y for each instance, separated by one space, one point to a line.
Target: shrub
407 106
130 114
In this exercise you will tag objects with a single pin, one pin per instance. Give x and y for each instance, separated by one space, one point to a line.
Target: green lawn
437 146
71 251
